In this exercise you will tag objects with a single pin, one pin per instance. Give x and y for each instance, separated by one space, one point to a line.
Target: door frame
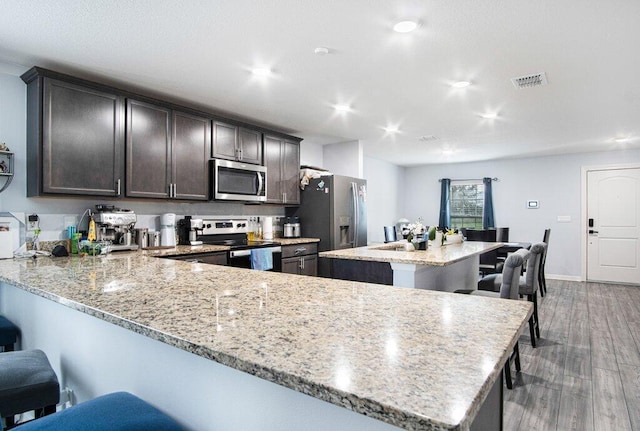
583 204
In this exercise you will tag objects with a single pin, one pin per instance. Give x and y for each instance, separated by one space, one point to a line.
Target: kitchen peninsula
446 268
226 348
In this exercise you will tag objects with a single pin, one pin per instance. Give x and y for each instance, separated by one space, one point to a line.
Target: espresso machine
188 231
115 226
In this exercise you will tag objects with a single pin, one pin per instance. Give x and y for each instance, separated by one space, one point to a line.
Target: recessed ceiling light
447 152
621 139
261 71
342 108
321 50
405 26
489 115
461 84
391 129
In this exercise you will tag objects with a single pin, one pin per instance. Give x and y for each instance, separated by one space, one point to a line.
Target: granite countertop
418 359
394 253
208 248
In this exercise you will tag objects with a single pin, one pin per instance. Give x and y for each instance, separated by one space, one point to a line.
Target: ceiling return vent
527 81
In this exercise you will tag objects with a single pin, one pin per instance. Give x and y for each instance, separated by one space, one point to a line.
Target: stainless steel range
233 233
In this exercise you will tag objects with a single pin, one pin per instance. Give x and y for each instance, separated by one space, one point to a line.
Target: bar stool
119 411
27 382
8 334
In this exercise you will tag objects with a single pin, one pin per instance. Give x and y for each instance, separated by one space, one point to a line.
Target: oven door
239 181
242 258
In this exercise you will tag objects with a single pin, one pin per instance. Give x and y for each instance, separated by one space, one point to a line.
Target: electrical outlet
33 222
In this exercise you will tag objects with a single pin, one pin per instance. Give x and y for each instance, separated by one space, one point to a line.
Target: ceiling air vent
535 80
428 138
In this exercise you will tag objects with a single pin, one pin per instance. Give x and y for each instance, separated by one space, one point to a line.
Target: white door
613 213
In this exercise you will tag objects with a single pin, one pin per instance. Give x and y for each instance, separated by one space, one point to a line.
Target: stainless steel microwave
236 181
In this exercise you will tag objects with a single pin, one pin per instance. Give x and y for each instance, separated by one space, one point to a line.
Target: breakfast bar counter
227 348
446 268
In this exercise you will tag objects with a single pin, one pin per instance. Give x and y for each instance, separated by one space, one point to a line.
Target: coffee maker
115 226
188 230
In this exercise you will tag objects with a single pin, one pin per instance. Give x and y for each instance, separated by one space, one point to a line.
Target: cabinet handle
300 250
170 190
175 190
284 198
301 263
118 186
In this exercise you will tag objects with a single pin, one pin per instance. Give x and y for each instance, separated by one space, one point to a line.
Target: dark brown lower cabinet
301 259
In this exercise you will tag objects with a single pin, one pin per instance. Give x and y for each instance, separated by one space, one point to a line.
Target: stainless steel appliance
238 181
114 226
291 227
233 233
334 209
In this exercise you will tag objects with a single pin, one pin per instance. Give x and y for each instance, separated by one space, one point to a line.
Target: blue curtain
487 212
445 205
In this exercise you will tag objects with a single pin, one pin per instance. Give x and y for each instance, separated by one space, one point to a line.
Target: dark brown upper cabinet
190 143
232 142
75 139
93 139
282 159
166 152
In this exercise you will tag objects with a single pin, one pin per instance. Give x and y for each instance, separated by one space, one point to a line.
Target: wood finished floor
585 373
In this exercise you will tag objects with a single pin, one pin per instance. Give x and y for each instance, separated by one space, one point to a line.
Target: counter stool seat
27 382
8 334
119 411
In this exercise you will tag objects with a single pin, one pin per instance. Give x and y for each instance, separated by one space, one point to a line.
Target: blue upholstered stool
27 382
119 411
8 334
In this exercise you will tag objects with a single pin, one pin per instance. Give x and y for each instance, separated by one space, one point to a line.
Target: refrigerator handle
354 193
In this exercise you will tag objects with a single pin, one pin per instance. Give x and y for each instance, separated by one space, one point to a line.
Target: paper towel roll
267 227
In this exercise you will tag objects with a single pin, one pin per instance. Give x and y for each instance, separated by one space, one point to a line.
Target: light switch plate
564 219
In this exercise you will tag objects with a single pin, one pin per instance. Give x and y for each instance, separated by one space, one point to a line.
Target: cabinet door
290 184
310 265
82 140
272 158
225 141
190 143
250 146
148 150
291 265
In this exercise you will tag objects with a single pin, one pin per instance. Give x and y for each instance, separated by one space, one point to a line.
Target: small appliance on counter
188 230
115 226
291 227
168 230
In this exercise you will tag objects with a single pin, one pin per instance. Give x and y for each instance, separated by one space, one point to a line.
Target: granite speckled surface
421 360
394 253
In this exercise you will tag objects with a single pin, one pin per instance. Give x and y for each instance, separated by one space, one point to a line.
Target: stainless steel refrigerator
334 209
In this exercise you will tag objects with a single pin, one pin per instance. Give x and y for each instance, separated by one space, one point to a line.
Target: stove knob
208 226
242 225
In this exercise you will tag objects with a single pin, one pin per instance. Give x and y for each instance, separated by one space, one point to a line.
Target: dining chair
509 289
390 234
543 279
502 234
528 285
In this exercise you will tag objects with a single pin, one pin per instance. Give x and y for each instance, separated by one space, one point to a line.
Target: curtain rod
469 179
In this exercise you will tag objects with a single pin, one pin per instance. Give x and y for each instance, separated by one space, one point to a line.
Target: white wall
385 196
554 181
311 154
345 158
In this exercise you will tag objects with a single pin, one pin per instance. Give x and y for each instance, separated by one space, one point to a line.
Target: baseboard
563 277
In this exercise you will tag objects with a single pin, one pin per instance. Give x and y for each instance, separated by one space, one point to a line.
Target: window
467 200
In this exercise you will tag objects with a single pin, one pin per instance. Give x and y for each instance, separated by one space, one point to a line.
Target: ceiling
203 52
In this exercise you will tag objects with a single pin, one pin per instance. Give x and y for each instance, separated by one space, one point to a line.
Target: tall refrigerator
334 209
